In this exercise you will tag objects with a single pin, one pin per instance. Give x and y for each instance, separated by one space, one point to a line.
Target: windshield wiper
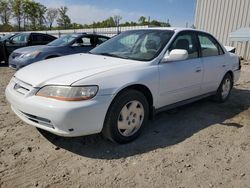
108 54
112 55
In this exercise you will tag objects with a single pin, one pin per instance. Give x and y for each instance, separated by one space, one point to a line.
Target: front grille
21 87
38 120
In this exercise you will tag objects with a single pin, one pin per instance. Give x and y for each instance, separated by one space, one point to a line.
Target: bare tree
117 19
52 14
5 11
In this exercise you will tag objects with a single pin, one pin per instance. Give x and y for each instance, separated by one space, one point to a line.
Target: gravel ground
204 144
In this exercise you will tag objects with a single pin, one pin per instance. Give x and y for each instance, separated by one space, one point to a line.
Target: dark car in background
66 45
2 41
22 40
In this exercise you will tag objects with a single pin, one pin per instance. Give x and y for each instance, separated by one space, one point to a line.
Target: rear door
181 80
214 62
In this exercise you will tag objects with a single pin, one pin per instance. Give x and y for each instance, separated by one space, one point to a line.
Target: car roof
87 34
175 29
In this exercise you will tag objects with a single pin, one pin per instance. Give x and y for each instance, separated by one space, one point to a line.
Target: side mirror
10 41
7 40
176 55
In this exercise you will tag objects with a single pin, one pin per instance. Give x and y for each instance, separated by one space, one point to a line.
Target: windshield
142 45
63 41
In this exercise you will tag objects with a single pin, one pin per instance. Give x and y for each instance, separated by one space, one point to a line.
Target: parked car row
19 40
22 49
69 44
118 85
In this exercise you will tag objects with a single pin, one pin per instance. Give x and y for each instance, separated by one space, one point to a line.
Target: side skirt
181 103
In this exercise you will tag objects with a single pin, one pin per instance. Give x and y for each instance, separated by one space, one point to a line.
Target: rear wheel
126 117
225 88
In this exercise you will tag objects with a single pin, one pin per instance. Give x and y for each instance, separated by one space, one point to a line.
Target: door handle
198 69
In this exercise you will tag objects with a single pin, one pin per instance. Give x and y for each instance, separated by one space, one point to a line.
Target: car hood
32 49
68 69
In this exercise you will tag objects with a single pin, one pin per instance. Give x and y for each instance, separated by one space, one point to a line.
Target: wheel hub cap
226 88
130 118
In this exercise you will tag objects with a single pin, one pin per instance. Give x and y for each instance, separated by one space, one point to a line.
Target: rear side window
48 38
37 38
186 41
209 46
101 40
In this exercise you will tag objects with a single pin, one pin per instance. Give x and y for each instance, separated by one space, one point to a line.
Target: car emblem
17 86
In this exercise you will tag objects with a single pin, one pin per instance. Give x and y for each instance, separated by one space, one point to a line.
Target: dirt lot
204 144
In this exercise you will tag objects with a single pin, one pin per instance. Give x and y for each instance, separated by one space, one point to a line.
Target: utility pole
117 19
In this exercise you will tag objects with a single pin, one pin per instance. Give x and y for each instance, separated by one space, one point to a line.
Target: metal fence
110 32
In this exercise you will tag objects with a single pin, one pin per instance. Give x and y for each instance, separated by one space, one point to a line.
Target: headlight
30 55
67 93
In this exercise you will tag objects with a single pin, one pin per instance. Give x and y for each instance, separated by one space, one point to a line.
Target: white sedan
121 83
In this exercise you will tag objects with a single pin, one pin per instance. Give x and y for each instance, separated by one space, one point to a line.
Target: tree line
26 15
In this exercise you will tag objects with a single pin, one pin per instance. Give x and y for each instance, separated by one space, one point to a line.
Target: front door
214 62
16 42
181 80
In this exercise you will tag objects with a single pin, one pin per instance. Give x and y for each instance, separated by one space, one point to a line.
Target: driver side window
186 42
22 38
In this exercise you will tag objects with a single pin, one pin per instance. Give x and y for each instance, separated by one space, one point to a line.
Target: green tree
30 14
26 12
17 12
142 20
155 23
41 11
63 20
34 15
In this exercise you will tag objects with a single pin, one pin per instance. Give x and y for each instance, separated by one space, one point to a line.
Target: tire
126 117
224 89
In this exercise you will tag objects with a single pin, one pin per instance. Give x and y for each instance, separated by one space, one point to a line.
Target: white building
221 17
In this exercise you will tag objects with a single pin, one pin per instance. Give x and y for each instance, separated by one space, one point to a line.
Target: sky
179 12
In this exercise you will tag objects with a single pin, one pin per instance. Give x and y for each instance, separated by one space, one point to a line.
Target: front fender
113 81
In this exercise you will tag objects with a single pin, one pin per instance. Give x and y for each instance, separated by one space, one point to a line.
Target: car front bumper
17 63
62 118
236 75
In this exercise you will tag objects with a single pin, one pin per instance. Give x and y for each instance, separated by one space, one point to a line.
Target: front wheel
224 89
126 117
